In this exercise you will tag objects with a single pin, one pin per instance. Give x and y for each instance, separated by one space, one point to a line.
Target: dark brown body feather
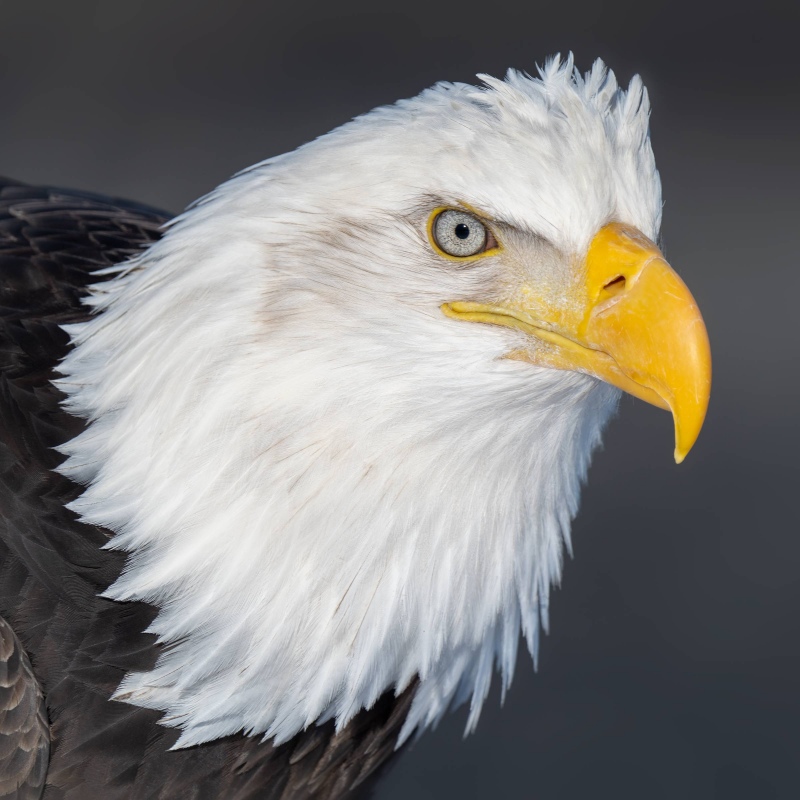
52 567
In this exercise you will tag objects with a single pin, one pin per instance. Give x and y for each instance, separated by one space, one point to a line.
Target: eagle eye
460 234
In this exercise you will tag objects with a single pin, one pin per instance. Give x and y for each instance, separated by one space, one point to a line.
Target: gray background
672 667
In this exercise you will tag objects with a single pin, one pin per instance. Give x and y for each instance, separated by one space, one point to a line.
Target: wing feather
24 730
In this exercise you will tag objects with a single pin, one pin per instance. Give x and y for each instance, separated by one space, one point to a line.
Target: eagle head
340 413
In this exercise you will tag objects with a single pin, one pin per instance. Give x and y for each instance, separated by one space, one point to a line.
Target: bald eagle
285 477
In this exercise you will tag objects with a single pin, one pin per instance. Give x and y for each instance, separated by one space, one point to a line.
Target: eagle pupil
462 230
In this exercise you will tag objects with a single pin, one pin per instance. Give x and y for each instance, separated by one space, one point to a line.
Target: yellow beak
634 325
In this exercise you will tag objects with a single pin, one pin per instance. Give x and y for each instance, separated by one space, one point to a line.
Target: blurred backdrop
673 662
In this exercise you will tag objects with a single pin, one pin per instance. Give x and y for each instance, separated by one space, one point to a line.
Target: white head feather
325 485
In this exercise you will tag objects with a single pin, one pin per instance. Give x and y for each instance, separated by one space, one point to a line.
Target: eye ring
458 234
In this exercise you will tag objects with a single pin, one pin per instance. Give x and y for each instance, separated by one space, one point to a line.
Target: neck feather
320 511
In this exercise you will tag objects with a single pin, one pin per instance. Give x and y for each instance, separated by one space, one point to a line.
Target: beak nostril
615 285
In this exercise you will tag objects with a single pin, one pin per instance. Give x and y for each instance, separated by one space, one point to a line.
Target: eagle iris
459 234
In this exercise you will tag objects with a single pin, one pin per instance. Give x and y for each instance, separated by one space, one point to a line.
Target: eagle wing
24 732
53 567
